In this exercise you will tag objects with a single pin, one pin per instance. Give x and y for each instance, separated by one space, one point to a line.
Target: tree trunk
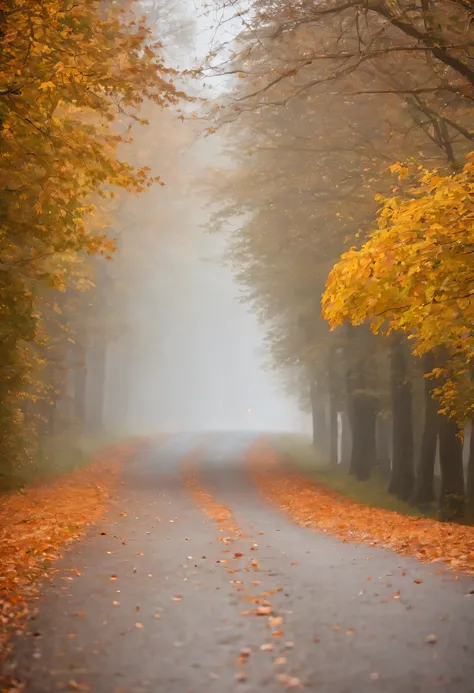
333 437
313 395
452 499
470 480
402 476
96 387
80 381
363 416
383 446
424 493
346 442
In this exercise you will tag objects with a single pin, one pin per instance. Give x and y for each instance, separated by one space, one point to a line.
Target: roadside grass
373 492
56 456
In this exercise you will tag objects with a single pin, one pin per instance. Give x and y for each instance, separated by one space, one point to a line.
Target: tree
415 275
63 123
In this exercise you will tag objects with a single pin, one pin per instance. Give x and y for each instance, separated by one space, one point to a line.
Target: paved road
142 604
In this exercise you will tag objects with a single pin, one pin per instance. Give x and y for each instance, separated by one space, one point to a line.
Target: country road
160 597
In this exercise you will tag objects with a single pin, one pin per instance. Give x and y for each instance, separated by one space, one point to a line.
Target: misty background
192 353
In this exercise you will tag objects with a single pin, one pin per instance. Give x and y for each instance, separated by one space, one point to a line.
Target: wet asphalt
153 599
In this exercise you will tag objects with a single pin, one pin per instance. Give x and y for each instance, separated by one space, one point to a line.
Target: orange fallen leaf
278 633
138 625
264 610
238 554
275 621
290 681
279 660
75 686
418 582
267 647
176 599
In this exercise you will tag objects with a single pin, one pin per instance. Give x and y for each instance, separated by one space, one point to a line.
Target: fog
192 352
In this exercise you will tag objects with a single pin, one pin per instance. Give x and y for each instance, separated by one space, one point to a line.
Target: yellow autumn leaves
415 273
72 80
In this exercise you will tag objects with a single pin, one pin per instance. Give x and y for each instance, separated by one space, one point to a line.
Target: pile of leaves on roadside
36 524
312 504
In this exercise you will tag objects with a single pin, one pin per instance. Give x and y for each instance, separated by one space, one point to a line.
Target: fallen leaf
238 554
267 647
278 633
240 676
176 599
279 660
75 686
290 681
264 610
275 621
431 639
350 631
116 603
157 616
138 625
417 582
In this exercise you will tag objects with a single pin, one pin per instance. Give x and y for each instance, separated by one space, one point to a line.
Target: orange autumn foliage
314 505
205 501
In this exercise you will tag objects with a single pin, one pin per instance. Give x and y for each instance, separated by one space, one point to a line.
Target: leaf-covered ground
36 525
312 504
